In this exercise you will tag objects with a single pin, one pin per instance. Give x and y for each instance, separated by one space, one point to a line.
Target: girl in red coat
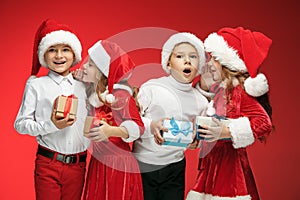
240 95
113 171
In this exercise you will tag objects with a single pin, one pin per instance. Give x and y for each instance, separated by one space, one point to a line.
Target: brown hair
101 87
228 76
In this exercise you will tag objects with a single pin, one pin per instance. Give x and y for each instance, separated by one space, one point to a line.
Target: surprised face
184 62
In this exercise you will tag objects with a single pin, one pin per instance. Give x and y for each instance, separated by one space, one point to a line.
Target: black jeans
163 182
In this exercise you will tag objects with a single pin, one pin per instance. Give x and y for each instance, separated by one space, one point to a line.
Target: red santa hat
51 33
241 50
178 38
112 61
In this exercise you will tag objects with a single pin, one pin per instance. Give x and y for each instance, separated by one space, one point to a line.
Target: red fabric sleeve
261 124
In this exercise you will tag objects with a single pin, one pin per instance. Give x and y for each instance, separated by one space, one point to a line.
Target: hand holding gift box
93 121
180 133
66 105
207 121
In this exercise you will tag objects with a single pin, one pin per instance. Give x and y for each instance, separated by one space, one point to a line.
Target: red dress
113 171
224 170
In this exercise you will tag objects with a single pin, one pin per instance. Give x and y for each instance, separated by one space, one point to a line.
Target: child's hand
99 133
212 134
78 74
207 76
156 129
61 123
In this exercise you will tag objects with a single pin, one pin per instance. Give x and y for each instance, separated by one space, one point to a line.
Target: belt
62 157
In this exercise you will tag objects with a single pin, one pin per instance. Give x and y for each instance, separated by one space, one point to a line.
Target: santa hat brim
222 52
59 37
100 57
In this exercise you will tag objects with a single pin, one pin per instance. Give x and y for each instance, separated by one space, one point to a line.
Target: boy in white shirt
163 167
62 149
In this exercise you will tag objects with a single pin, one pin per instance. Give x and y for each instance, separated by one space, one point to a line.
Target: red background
275 164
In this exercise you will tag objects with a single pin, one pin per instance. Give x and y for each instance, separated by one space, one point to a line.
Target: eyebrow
185 52
63 45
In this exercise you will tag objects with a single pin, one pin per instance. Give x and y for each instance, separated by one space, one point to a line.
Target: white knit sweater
160 98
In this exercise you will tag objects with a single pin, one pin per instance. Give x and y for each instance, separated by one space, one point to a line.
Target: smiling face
184 62
59 58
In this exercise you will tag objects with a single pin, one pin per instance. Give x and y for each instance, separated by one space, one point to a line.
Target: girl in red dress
240 95
113 171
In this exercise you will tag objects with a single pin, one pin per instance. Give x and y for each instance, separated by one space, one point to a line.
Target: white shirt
34 116
160 98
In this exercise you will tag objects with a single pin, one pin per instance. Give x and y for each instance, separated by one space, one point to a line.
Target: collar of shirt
58 78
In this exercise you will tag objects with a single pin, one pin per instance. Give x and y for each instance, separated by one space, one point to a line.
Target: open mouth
187 70
60 63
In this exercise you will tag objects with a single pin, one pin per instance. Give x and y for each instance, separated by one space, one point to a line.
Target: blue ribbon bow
175 130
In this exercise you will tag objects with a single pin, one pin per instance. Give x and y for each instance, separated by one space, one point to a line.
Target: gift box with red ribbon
66 105
91 121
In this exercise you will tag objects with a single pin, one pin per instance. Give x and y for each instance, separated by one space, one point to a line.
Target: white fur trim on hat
100 57
222 52
123 87
241 132
193 195
257 86
59 37
178 38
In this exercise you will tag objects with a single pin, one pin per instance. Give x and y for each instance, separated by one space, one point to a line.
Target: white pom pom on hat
257 86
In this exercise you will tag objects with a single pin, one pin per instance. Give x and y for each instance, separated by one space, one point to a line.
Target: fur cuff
133 130
257 86
193 195
241 132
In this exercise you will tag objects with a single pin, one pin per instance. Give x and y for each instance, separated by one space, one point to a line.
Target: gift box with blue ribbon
179 133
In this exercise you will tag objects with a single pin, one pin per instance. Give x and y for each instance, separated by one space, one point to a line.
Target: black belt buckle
66 158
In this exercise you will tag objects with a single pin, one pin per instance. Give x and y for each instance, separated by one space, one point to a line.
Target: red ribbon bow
107 117
68 104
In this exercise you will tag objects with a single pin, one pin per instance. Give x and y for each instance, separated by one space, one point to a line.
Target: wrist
226 133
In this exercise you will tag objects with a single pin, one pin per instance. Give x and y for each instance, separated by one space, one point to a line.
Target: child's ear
169 66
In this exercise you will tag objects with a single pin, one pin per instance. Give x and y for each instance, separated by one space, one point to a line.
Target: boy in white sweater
162 166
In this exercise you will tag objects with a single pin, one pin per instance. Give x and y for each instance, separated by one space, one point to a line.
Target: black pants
163 182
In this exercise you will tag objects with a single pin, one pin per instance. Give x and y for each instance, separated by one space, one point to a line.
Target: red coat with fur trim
224 169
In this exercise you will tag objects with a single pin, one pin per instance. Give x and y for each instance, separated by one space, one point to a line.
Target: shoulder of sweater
154 81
